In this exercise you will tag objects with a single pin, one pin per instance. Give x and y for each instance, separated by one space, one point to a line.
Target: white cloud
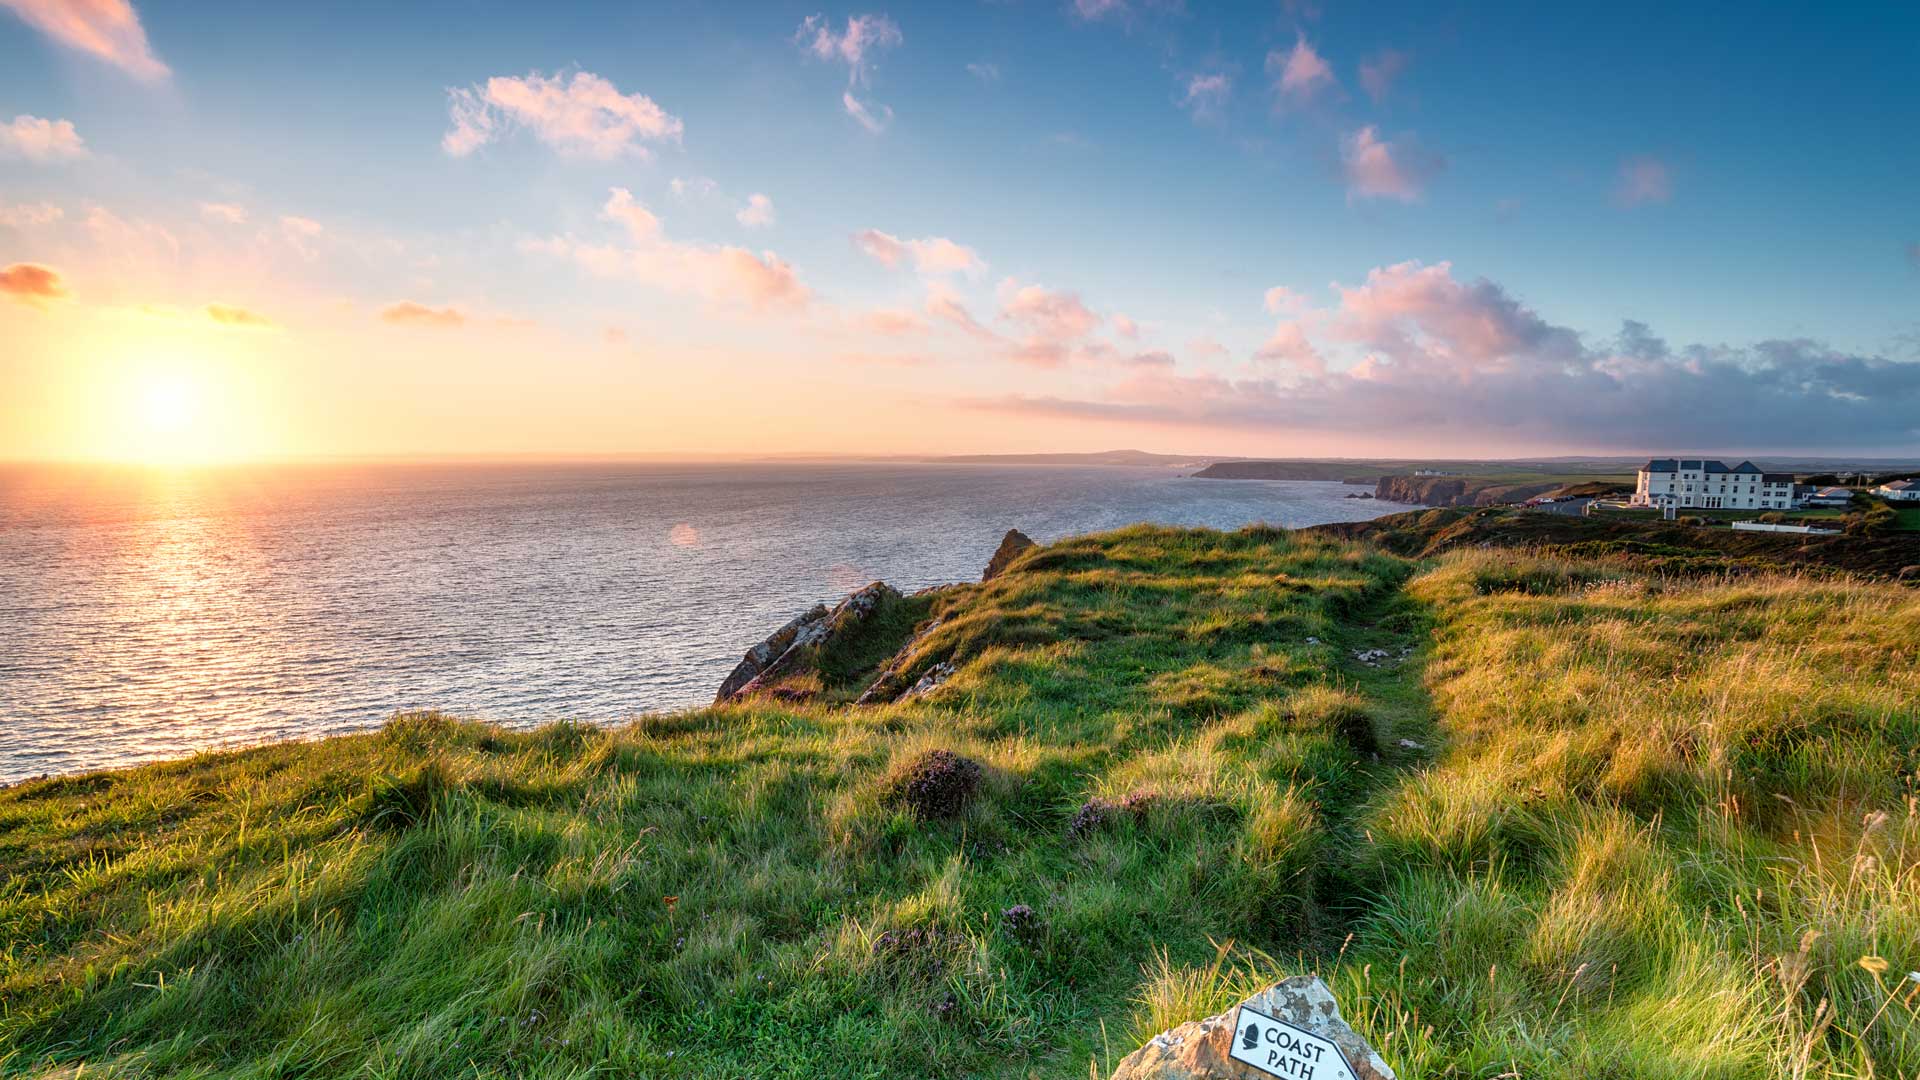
41 141
1206 95
585 116
757 214
107 29
984 71
1096 10
929 255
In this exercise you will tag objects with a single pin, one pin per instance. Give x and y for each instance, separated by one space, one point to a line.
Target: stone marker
1291 1029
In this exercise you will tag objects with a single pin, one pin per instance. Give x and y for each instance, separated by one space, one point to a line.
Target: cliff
1459 490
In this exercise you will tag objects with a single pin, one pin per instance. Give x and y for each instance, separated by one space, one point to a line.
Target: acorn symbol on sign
1250 1038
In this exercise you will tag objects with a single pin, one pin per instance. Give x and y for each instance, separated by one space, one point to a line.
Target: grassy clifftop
1646 827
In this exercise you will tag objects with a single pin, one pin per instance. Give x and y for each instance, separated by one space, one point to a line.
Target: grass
1644 827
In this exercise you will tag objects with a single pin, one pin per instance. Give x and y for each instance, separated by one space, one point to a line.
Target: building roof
1902 485
1714 468
1833 493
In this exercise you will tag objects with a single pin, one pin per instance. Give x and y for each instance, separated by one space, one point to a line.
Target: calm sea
148 614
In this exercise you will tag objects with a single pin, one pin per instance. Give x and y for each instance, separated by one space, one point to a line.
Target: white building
1828 496
1899 491
1704 484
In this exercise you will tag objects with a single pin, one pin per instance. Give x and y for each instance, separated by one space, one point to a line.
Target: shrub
938 784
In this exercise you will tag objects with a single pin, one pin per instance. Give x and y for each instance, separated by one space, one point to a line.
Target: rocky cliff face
1456 490
795 649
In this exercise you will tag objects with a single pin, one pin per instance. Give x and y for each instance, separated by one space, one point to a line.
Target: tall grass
1584 822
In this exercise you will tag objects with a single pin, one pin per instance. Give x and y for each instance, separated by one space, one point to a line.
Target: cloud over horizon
1427 356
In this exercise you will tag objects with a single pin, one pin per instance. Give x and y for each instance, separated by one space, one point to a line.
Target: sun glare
167 406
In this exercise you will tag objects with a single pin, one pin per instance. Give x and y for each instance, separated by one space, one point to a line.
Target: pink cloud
945 304
226 213
757 214
1643 179
1289 346
1443 362
107 29
893 322
32 284
929 255
640 222
1378 169
42 141
761 280
1056 315
1205 348
1379 71
1126 327
408 313
864 36
1281 299
586 116
1301 73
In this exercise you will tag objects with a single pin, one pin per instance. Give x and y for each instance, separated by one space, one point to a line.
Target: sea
152 613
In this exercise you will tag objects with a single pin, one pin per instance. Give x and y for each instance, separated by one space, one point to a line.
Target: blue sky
1728 176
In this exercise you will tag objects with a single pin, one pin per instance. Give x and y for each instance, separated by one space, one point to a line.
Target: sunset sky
244 230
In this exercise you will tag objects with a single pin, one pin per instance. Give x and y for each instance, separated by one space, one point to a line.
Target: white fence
1760 526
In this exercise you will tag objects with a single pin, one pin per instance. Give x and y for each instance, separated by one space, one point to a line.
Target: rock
767 652
1203 1049
886 685
793 648
935 677
1371 657
1409 744
1011 545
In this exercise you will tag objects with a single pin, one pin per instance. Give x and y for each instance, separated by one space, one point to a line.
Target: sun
168 406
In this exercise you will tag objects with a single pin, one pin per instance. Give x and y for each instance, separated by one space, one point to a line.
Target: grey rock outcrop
794 647
1205 1049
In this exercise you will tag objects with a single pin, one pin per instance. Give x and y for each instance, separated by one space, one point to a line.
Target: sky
241 230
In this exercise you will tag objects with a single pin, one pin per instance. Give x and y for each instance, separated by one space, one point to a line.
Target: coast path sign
1292 1029
1275 1046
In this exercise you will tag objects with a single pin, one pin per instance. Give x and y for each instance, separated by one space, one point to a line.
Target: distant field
1583 821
